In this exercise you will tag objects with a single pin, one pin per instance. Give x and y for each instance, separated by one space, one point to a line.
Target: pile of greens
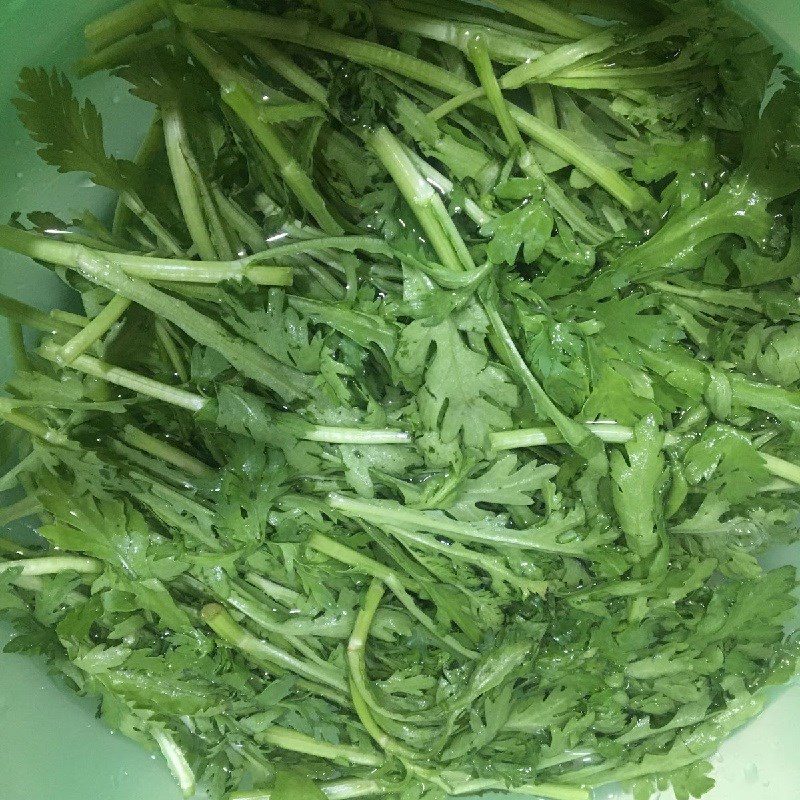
436 388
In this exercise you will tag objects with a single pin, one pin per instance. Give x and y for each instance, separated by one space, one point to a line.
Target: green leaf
637 478
290 785
71 133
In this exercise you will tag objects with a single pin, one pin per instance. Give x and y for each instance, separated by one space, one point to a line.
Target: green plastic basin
51 745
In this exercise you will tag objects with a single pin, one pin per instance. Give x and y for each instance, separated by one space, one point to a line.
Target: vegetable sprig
435 392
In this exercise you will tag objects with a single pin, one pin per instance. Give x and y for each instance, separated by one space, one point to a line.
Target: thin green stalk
548 18
16 341
76 320
358 436
289 597
385 513
245 226
123 21
560 203
234 634
545 791
177 144
123 51
148 149
577 435
280 63
444 185
176 761
165 451
479 55
454 103
11 478
127 379
25 507
356 661
17 311
9 414
558 59
482 560
250 360
424 201
95 330
300 743
52 565
148 219
165 337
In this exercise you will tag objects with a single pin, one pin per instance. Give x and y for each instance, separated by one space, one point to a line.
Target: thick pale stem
52 565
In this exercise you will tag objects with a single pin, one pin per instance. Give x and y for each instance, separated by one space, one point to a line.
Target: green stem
300 743
176 761
149 148
226 20
165 337
548 18
71 255
456 102
369 566
165 451
482 560
544 104
250 360
25 507
234 21
335 790
163 236
52 565
501 46
443 184
17 311
16 341
130 18
95 330
424 201
558 59
123 51
236 96
479 55
127 379
177 145
280 63
358 436
245 226
612 433
260 651
9 414
386 513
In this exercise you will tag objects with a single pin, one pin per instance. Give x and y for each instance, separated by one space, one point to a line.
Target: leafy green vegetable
435 393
